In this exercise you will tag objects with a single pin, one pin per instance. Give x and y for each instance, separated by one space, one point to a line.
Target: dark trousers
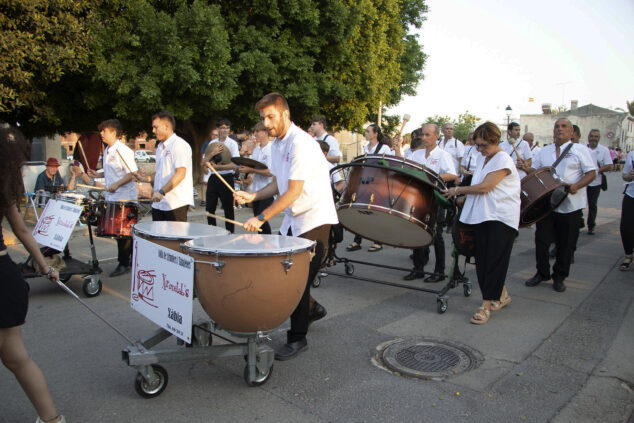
217 190
593 198
494 242
124 248
258 207
563 230
627 224
299 318
421 255
175 215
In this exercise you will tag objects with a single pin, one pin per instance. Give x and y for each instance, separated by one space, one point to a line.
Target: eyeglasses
481 145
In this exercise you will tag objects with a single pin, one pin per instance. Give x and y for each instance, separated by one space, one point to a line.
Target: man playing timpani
302 183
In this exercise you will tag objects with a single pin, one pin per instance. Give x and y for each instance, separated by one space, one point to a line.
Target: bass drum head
464 238
543 206
384 228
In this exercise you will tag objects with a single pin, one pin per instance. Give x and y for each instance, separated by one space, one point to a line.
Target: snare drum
390 200
172 234
41 198
249 283
542 192
115 218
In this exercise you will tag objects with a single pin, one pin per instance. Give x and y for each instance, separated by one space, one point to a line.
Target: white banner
56 224
163 287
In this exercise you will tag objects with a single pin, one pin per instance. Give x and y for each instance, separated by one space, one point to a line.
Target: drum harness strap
561 157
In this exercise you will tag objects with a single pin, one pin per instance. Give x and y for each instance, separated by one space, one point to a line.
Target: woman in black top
14 290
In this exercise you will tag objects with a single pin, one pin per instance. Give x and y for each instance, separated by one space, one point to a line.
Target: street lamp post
508 114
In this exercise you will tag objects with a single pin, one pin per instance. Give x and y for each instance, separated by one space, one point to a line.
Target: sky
486 55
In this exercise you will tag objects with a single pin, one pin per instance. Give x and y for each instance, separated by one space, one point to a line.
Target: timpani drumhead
248 245
172 234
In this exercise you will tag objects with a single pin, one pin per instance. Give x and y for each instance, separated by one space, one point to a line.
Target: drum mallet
72 294
235 222
519 159
406 118
124 162
221 178
90 186
83 154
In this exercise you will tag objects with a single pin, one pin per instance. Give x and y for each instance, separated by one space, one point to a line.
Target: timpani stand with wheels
248 285
385 191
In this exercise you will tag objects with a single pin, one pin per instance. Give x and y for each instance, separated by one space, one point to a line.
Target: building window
142 146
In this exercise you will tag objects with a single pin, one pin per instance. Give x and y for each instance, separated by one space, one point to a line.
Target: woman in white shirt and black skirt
492 206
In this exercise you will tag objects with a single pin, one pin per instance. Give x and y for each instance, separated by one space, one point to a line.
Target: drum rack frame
441 295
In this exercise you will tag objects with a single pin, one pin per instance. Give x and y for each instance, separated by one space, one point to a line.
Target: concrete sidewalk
548 356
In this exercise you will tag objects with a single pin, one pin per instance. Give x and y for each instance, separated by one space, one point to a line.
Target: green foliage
438 120
40 41
465 123
559 109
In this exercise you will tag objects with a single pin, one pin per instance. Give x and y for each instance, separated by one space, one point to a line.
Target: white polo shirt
571 169
385 149
439 161
333 143
114 170
172 153
535 150
627 168
455 148
522 147
262 155
502 203
470 158
601 157
298 157
232 145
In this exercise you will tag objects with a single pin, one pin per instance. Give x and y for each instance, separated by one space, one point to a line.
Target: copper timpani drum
389 200
172 234
542 192
115 218
249 283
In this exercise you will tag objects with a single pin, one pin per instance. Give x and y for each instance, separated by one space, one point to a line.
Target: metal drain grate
430 358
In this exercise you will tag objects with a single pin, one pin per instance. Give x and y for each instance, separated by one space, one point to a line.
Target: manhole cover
430 358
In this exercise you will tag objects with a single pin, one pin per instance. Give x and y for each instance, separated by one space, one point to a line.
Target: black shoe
319 312
435 277
120 270
558 285
290 350
535 280
590 231
413 275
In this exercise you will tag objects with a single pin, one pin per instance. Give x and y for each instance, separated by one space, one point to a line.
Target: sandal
500 304
625 266
481 316
374 248
353 247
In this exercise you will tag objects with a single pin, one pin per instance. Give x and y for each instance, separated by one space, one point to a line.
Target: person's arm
490 181
447 177
340 185
177 178
39 182
24 235
268 191
247 169
285 200
333 159
71 181
584 181
121 182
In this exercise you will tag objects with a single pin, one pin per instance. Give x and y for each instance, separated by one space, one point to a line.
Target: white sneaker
61 420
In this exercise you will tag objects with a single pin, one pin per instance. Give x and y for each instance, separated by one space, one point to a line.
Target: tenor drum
249 283
390 200
115 218
172 234
542 192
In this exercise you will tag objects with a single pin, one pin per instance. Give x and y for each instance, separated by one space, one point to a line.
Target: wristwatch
162 192
261 217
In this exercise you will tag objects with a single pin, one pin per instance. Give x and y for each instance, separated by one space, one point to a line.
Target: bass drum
542 192
389 200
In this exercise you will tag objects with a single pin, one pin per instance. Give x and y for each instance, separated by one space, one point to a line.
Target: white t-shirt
233 149
172 153
262 155
114 169
522 147
332 142
439 161
601 157
503 202
571 169
470 158
298 157
408 153
627 168
385 149
455 148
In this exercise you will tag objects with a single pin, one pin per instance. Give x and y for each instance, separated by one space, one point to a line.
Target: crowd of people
483 176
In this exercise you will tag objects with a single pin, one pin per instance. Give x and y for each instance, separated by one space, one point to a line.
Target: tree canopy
465 123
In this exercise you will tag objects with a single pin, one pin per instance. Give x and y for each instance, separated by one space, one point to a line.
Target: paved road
547 357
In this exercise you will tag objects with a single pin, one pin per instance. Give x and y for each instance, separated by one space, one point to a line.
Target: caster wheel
260 379
317 281
349 269
65 278
145 389
466 290
91 287
441 306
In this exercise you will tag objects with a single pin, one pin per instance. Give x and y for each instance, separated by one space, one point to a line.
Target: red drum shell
542 192
387 205
116 218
